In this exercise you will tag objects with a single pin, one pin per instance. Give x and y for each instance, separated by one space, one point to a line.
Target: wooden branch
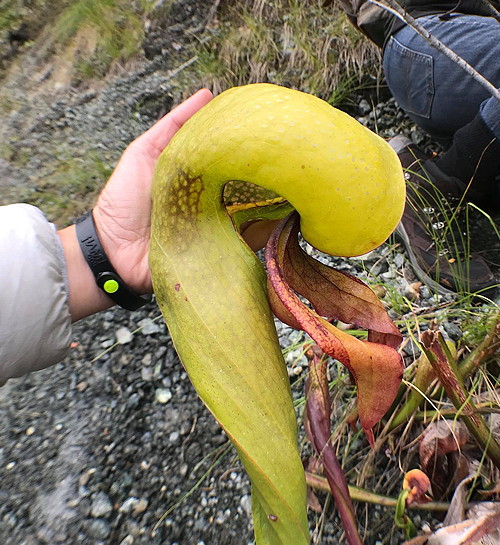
360 494
492 9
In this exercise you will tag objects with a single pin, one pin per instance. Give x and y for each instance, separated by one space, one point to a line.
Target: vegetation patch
308 47
118 28
117 25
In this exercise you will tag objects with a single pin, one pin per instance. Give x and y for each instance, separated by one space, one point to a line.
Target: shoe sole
434 286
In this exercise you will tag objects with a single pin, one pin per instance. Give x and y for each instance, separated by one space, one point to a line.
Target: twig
210 17
393 7
453 414
492 9
360 494
173 73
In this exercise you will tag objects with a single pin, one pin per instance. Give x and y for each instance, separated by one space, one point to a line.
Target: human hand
123 211
122 216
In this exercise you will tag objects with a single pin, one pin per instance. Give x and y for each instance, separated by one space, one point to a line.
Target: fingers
159 135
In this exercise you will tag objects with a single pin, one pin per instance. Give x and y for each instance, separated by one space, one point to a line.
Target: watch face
101 268
110 286
109 282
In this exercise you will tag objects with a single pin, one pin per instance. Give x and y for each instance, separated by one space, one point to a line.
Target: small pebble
84 479
453 330
98 529
246 504
148 327
162 395
129 505
123 335
141 506
82 386
101 505
410 292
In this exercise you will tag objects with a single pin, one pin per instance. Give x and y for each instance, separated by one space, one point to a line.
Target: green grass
32 14
10 13
117 23
115 27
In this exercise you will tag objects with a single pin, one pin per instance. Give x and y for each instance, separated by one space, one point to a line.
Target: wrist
106 277
126 248
85 297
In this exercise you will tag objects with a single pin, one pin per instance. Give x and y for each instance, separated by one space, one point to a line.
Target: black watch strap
106 277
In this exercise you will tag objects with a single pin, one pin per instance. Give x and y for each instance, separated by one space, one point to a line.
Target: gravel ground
95 450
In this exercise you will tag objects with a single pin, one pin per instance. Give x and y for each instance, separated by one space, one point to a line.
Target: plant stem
484 350
452 414
319 432
360 494
446 369
423 378
420 385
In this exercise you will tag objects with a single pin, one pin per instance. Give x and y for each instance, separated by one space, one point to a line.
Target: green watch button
111 286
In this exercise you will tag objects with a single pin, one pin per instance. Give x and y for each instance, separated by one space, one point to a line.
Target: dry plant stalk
448 373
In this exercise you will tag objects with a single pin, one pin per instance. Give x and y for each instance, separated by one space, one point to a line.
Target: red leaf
376 368
335 294
319 432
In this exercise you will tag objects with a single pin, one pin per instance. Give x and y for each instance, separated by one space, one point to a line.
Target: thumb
159 135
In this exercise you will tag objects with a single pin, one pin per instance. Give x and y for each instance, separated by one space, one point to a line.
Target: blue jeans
435 92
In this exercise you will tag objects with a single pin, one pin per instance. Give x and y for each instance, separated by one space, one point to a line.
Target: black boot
430 230
474 158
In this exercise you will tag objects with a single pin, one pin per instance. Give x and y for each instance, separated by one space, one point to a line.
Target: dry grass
302 45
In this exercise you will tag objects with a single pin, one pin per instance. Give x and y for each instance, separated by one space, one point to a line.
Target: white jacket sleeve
35 323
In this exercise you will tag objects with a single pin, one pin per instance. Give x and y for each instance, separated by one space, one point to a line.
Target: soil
95 450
